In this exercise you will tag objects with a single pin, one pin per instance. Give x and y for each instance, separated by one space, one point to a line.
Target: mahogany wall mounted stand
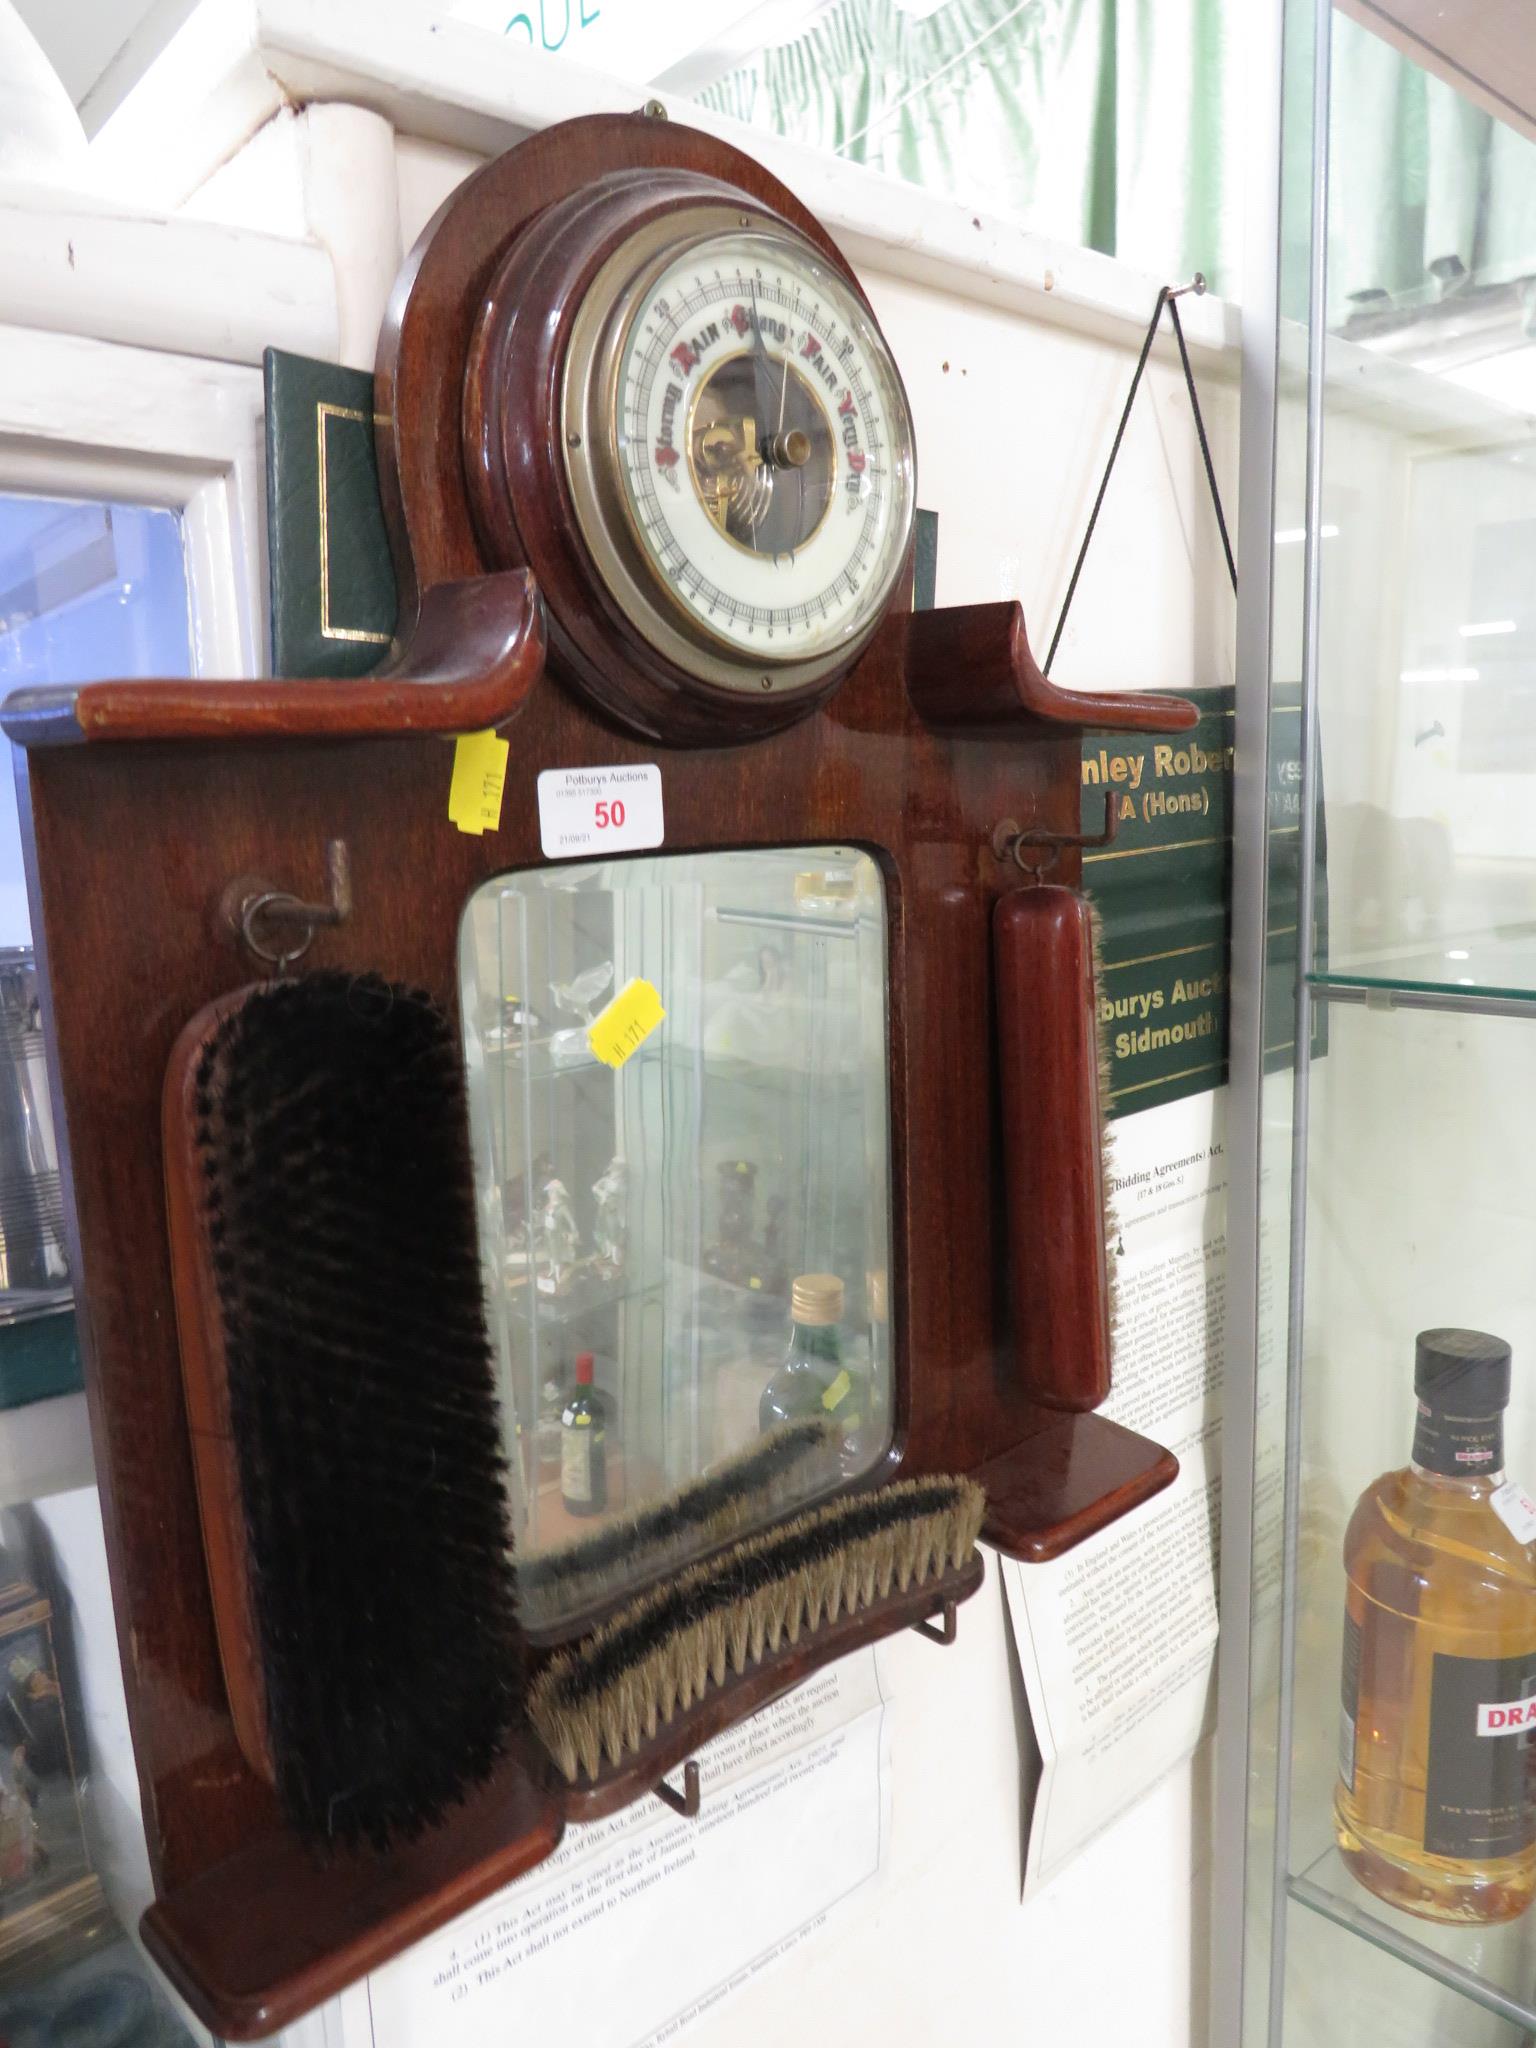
144 801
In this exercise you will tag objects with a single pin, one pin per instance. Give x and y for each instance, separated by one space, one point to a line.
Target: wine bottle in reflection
1434 1806
812 1378
583 1445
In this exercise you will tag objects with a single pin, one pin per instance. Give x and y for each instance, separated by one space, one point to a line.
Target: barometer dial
739 450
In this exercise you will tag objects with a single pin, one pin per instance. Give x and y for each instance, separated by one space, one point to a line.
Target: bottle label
1477 1792
576 1465
1458 1445
1349 1700
1515 1509
837 1392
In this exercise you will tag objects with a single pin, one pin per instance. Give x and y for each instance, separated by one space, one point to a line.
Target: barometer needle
761 373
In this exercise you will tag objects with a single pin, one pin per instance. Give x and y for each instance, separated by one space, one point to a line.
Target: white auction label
1515 1509
599 810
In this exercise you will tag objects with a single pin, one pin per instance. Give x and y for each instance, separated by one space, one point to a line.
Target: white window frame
97 420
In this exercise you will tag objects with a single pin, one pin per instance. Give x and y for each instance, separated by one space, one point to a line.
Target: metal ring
1049 852
255 907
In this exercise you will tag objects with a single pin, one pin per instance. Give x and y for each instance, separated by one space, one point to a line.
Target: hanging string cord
1169 296
1205 446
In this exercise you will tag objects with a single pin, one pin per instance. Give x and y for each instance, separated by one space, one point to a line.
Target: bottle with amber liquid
1434 1809
584 1445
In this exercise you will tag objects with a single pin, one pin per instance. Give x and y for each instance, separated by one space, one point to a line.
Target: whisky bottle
812 1379
583 1445
1434 1810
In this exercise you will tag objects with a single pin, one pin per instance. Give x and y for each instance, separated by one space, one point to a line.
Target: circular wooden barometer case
675 407
649 470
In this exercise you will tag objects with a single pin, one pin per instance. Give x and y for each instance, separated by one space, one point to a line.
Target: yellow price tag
837 1392
479 777
623 1026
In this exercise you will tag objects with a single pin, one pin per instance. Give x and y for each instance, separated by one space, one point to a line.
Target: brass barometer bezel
593 457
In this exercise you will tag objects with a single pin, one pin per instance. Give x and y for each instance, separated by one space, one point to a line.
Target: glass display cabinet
1377 1816
678 1213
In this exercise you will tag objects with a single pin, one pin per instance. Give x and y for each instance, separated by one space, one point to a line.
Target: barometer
739 450
728 453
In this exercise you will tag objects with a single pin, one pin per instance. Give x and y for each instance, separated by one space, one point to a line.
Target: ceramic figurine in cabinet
610 1229
558 1239
576 997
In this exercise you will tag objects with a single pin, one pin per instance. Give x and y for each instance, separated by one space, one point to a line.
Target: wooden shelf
1072 1477
257 1940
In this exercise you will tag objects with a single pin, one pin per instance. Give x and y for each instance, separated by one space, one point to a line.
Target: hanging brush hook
685 1802
1036 853
943 1630
278 928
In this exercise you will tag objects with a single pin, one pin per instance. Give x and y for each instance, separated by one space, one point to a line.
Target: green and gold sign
1163 891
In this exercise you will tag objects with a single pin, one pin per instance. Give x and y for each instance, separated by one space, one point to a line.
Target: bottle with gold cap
812 1379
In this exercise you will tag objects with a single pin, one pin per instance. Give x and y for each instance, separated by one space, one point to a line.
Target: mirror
679 1103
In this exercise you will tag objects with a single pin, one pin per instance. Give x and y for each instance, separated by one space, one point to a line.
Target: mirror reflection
678 1095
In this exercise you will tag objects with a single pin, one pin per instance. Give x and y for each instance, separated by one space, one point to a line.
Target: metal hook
942 1632
249 906
685 1802
1010 841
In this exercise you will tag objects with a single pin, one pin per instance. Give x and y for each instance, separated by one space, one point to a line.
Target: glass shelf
589 1296
1465 967
537 1063
1474 972
1494 1966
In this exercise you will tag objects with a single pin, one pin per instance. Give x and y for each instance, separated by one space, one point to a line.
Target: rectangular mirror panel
687 1250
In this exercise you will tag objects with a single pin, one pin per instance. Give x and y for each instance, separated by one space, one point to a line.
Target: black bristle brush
784 1469
341 1399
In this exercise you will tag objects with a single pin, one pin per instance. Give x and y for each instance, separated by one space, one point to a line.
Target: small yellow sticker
623 1026
479 776
838 1391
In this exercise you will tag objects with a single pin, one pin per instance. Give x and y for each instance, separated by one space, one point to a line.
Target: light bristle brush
602 1701
1052 1063
784 1469
341 1399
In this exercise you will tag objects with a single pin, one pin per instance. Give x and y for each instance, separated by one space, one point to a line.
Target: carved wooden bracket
970 673
476 650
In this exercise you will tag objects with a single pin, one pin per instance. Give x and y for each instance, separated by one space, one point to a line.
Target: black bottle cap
1465 1367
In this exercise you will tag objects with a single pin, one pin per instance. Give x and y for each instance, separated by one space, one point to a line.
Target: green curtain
1118 124
1102 122
1420 178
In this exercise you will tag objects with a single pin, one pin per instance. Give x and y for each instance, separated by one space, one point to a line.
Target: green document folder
333 584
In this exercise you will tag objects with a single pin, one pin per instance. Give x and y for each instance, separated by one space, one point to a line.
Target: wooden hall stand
145 801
